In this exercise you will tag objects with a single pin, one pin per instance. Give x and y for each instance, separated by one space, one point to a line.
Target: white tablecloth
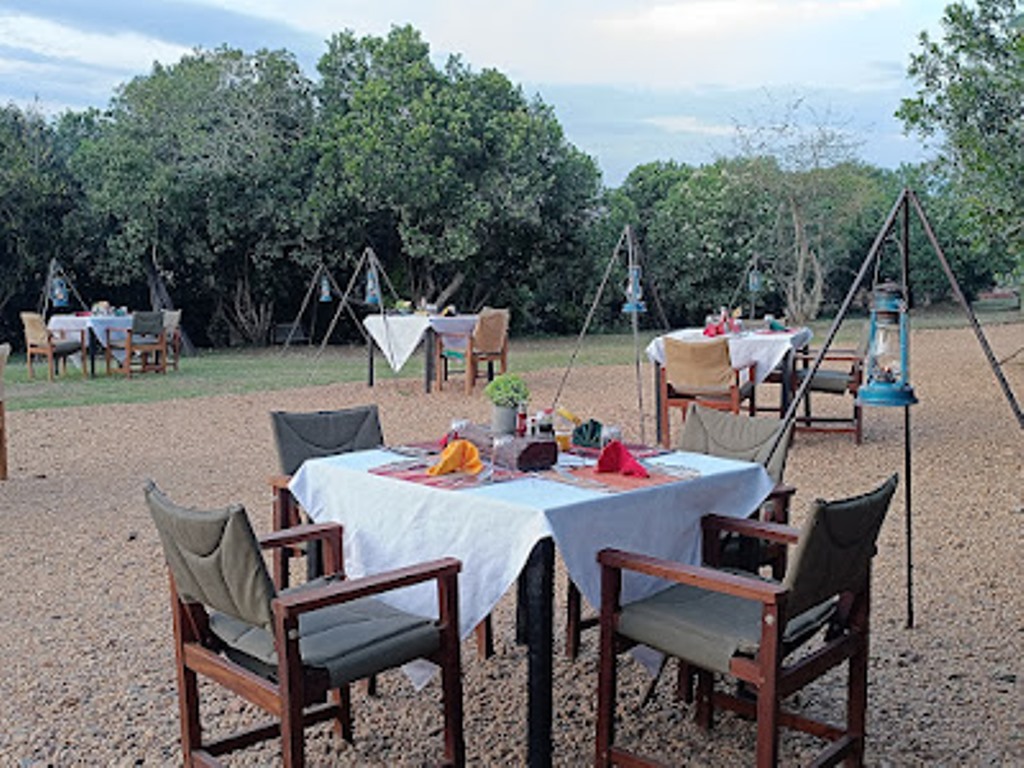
763 349
492 528
397 336
97 324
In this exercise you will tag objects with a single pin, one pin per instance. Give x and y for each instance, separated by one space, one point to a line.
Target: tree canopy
221 182
970 95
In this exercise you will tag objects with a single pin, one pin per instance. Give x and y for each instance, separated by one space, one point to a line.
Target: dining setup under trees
442 209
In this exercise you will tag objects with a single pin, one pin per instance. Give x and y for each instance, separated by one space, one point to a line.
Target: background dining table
398 335
763 348
96 327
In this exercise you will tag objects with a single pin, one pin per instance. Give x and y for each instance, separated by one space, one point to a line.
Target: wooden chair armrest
334 592
781 490
694 575
299 533
757 529
279 482
328 533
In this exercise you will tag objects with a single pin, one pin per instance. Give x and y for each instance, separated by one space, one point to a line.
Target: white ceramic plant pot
503 420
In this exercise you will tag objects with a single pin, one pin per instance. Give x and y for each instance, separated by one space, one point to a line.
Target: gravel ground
86 631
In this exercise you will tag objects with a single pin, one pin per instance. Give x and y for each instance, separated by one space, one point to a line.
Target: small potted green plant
506 392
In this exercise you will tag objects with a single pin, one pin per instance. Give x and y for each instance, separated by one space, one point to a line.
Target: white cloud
664 44
699 17
123 51
690 124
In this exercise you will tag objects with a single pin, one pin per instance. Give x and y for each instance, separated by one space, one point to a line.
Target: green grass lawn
236 371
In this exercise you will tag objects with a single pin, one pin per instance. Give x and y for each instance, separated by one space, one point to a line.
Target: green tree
704 233
971 97
35 196
455 178
200 168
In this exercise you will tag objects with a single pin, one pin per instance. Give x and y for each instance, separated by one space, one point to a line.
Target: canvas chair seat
709 392
348 642
64 347
709 628
841 373
837 382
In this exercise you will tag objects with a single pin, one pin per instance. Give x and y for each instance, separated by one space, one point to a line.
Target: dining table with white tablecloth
398 335
97 327
497 524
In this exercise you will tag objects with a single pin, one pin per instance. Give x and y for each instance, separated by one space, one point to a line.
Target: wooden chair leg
292 720
451 696
606 685
768 724
470 372
484 639
342 697
686 674
704 714
573 630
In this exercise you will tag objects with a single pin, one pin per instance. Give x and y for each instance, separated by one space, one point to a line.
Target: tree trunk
160 298
805 287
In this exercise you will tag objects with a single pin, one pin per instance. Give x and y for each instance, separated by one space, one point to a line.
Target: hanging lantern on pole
634 291
372 286
59 292
887 364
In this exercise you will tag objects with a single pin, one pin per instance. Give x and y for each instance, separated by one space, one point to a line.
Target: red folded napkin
615 457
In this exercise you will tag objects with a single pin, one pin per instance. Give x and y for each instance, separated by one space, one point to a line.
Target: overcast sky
631 81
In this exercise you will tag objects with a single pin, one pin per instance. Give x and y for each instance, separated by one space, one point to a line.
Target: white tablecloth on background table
96 324
397 336
492 527
761 348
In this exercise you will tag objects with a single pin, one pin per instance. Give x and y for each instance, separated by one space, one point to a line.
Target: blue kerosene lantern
887 363
634 291
59 292
372 295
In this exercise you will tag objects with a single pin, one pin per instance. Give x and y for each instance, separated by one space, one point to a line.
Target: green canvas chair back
735 436
835 548
147 323
699 366
302 436
214 558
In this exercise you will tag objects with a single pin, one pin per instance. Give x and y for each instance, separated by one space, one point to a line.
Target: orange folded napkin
458 456
615 457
